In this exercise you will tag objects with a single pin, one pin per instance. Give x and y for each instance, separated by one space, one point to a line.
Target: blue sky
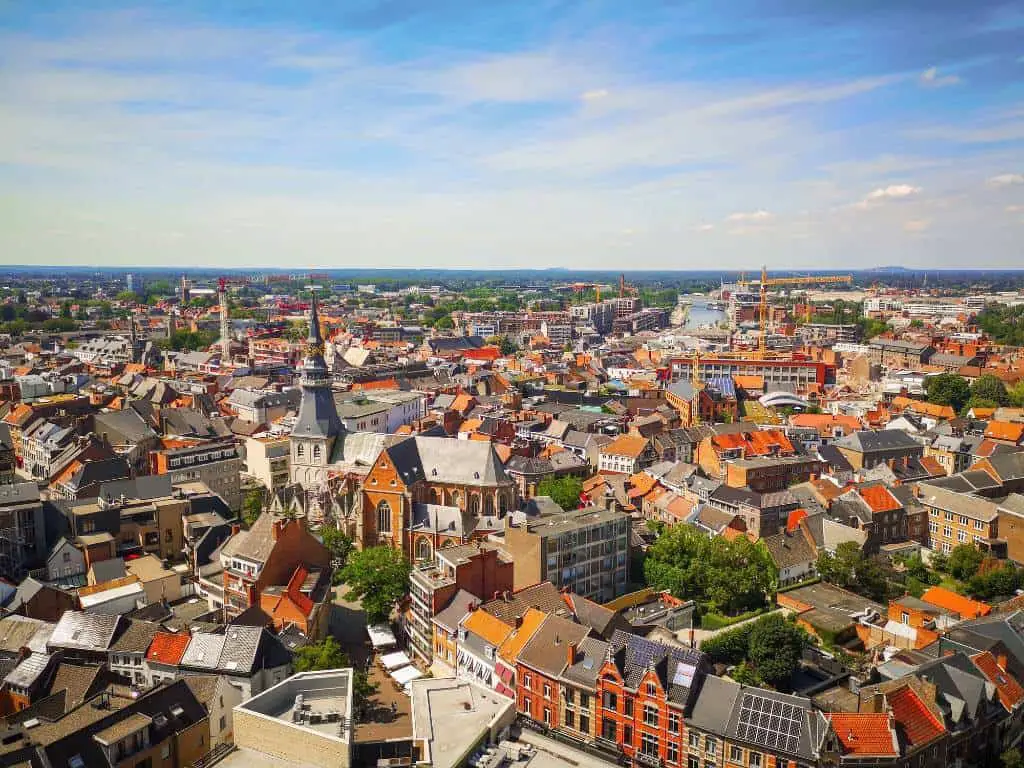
448 133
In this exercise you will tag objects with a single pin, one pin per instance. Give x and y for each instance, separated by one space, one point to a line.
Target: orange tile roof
471 425
825 423
794 518
983 413
168 647
932 464
642 483
1009 431
1010 691
951 601
923 408
865 734
492 629
919 724
626 445
511 648
879 498
748 381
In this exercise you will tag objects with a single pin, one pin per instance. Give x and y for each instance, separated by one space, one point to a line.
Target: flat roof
325 707
452 716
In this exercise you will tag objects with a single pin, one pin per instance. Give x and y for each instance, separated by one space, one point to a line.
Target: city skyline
520 135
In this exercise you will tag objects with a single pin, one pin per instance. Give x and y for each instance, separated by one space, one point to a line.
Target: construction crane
765 281
579 288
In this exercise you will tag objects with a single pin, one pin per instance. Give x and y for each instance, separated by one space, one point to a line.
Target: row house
215 463
957 518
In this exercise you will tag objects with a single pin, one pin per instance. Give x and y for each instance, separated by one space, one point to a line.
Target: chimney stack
570 654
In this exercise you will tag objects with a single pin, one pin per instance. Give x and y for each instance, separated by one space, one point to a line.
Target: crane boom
765 281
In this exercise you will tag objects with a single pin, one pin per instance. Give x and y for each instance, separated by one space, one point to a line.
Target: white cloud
704 228
1006 179
750 217
1015 209
892 192
917 225
594 95
931 78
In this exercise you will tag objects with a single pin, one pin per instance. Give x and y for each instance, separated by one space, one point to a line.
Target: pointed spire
314 325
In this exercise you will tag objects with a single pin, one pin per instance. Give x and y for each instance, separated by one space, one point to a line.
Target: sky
801 134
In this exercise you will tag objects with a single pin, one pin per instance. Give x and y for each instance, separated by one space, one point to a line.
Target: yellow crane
762 345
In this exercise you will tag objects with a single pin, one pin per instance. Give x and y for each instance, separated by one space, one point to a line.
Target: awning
395 660
406 675
381 636
504 690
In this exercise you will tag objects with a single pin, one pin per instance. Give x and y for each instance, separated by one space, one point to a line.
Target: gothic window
423 549
383 517
455 498
502 505
474 505
489 506
316 453
299 451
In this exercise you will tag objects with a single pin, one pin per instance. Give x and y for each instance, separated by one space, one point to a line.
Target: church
412 493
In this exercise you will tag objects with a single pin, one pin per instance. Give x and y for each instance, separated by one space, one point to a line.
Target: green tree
319 656
564 491
252 505
775 649
65 310
990 388
379 578
444 323
507 346
1012 758
339 544
127 296
939 561
1016 394
964 561
851 569
948 389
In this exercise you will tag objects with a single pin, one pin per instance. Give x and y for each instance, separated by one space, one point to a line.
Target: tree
990 388
564 491
939 561
507 346
252 505
1016 394
948 389
851 569
338 543
775 649
319 656
1012 758
964 561
379 577
444 323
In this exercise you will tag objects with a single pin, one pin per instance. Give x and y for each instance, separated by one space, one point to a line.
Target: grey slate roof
714 704
882 440
85 631
443 460
590 655
204 650
241 645
29 670
678 668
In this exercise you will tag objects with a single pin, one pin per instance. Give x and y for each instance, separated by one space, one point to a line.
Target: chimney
1001 659
235 529
692 645
278 528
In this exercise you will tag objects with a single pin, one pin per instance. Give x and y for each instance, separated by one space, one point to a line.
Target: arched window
383 517
502 505
316 453
474 505
455 498
435 496
423 549
299 451
489 506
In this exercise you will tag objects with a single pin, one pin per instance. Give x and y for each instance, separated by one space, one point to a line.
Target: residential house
865 450
626 454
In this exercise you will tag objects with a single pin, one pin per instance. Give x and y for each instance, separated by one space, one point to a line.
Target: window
961 536
610 700
735 754
547 691
947 547
710 745
627 707
649 744
584 700
383 517
963 520
570 696
755 760
979 525
905 617
947 531
525 706
570 718
316 453
672 751
609 729
526 680
692 762
650 714
166 751
627 734
694 740
585 723
652 689
673 723
300 451
547 716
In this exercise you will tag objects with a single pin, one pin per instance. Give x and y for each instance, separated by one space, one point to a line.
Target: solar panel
770 723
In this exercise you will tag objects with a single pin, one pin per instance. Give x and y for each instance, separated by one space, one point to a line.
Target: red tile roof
168 647
951 601
879 498
1009 431
919 724
865 734
1010 691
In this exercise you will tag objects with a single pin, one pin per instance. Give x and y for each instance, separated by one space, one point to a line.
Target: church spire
314 368
318 415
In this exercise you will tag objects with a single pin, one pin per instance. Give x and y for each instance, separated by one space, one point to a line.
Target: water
701 315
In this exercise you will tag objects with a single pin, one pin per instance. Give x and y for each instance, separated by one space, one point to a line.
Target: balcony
430 577
652 760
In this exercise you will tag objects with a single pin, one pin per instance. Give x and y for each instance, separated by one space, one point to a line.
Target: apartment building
22 529
598 315
477 570
215 463
626 454
899 354
585 551
959 518
795 374
267 460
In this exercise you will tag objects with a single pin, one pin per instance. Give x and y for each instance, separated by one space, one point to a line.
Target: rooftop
317 703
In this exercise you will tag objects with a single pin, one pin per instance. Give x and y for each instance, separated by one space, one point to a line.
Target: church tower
318 425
